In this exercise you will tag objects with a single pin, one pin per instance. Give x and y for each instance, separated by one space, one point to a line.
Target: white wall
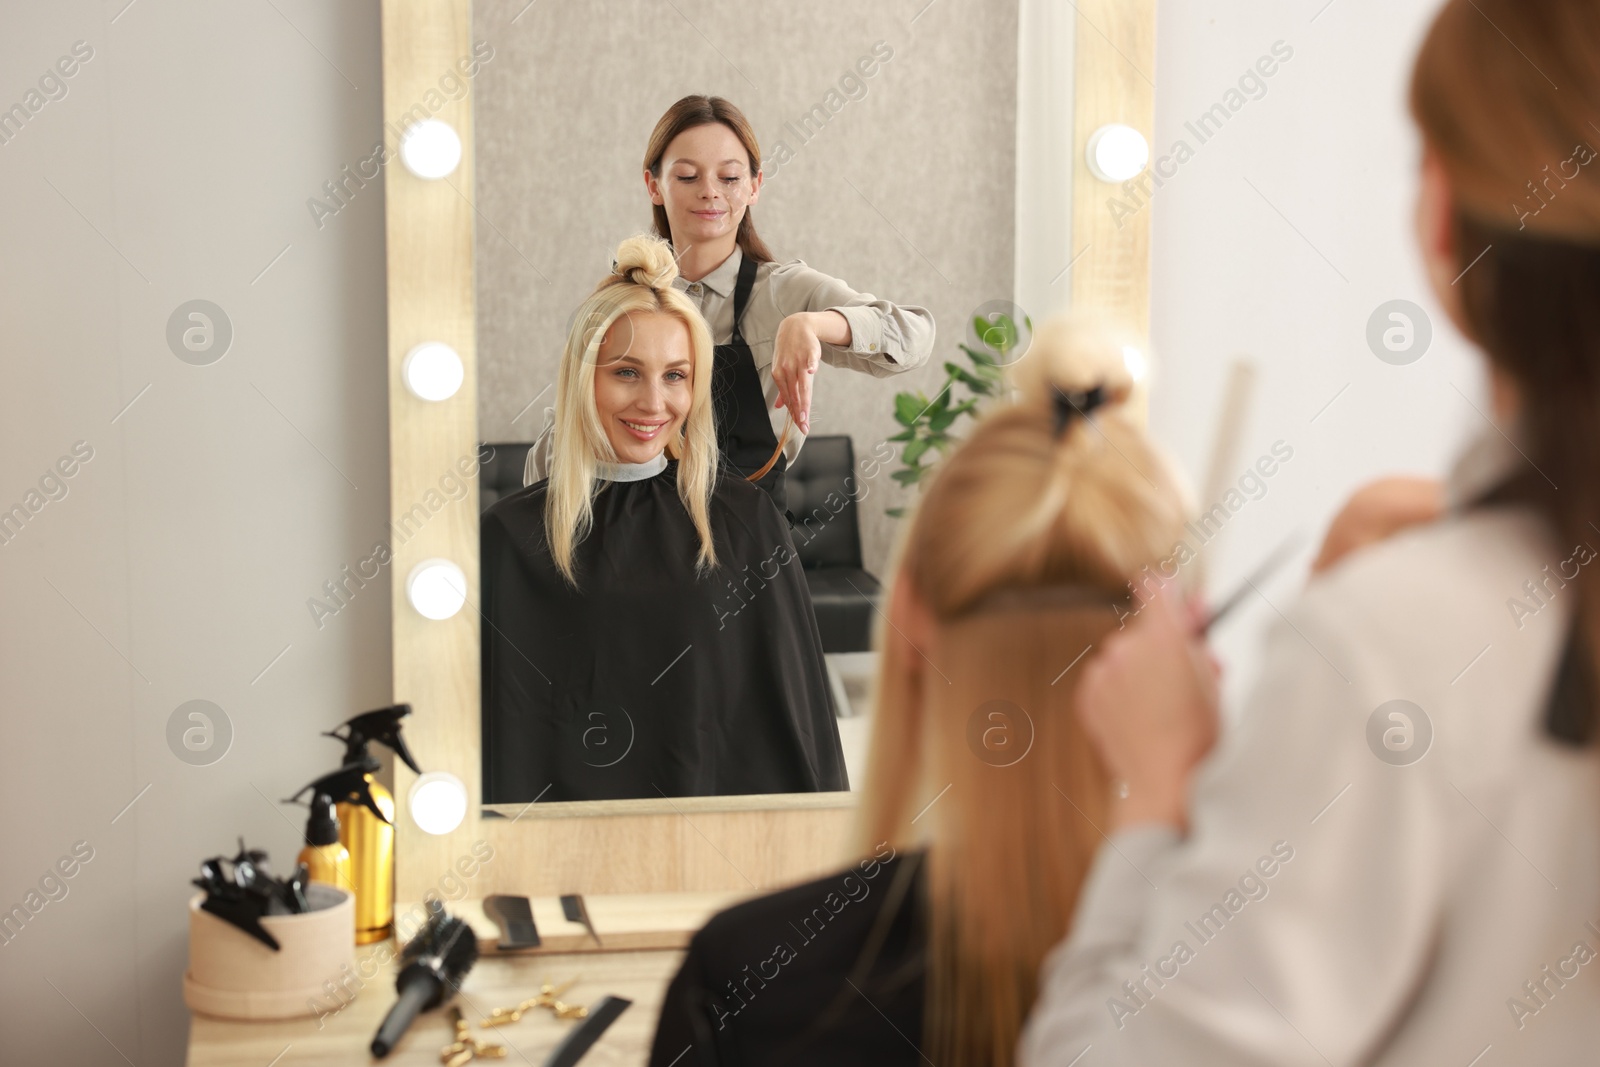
179 563
1332 148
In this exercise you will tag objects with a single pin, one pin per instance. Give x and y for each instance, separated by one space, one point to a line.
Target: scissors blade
1277 558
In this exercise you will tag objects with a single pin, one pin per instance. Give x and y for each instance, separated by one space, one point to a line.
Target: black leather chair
827 532
827 536
501 474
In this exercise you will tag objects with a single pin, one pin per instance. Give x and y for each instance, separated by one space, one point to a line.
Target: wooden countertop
342 1038
643 937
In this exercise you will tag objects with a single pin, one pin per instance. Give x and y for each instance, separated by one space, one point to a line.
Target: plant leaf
979 357
997 332
907 406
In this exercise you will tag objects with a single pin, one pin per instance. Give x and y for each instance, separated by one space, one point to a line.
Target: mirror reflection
703 277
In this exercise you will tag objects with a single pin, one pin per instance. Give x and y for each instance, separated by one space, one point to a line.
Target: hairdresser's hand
1148 701
1378 510
796 354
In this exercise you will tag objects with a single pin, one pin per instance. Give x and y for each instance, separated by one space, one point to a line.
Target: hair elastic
1067 403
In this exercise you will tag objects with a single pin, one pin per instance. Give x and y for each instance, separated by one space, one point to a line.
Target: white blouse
1352 889
885 338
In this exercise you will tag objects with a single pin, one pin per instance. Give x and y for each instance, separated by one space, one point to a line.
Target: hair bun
646 260
1074 354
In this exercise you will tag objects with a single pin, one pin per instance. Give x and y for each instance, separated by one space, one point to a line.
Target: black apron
1569 714
744 429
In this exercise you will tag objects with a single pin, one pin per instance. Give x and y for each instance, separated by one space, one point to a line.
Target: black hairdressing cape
649 680
831 972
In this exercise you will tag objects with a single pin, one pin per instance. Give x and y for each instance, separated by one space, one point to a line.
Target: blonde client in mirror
647 631
983 796
773 323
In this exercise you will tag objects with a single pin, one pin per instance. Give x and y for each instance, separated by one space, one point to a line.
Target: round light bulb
437 588
430 149
1117 153
1134 360
433 371
438 802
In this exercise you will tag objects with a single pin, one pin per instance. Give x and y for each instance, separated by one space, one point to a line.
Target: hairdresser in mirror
983 794
645 633
1394 859
773 323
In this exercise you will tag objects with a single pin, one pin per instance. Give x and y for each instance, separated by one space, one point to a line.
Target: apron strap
741 297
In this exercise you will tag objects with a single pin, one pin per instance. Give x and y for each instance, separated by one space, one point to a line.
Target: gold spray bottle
325 858
369 837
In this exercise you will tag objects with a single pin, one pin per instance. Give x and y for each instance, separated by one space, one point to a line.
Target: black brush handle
413 998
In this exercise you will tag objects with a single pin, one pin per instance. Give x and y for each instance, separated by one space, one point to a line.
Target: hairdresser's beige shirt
885 338
1330 908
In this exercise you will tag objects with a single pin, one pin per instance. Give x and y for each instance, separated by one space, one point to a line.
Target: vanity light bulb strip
433 371
438 802
437 588
1117 152
431 149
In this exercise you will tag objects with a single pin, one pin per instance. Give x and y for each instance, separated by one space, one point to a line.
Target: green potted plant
928 423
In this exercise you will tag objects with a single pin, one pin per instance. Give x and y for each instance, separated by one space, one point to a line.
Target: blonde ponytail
1031 503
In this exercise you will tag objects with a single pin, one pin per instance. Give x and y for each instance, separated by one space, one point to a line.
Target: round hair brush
432 967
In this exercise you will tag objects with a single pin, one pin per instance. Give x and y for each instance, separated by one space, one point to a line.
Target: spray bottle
366 818
350 788
325 858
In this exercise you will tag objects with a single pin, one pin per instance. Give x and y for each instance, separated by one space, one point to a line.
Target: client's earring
1122 789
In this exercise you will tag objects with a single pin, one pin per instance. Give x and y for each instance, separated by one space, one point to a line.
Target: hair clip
1066 404
240 891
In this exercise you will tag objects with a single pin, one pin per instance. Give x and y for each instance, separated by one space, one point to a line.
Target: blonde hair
640 283
1015 512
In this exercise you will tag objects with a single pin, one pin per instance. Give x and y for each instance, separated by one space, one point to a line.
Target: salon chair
827 532
501 474
827 536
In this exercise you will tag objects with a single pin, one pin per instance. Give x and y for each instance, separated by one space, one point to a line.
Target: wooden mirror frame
673 846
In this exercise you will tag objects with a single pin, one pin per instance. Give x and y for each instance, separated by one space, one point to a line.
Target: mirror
1003 209
646 682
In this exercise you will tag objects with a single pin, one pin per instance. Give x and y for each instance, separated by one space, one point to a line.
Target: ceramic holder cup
233 975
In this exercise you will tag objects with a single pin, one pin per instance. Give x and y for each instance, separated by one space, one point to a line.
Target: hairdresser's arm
797 350
879 337
1379 510
1279 912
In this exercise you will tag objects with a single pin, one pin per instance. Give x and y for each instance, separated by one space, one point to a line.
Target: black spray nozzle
323 826
382 726
348 784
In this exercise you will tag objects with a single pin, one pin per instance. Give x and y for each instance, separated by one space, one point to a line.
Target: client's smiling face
643 383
